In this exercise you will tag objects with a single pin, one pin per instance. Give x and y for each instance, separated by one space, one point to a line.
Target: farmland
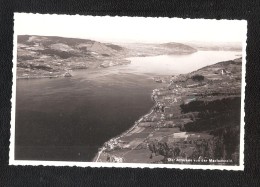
195 119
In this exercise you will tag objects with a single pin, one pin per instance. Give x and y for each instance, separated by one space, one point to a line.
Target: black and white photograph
105 91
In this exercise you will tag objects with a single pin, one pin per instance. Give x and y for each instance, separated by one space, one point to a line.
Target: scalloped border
14 162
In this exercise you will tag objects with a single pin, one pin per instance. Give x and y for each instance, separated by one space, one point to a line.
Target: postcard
138 92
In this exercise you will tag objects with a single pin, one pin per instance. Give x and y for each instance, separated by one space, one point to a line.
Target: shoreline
62 73
116 149
39 77
103 148
95 159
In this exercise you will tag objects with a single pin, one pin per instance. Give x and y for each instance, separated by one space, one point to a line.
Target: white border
12 161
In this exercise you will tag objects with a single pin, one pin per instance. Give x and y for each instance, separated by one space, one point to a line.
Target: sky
130 29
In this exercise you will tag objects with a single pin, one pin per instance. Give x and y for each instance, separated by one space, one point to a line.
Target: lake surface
179 64
70 118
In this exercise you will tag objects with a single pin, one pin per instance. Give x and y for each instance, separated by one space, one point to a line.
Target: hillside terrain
195 120
52 56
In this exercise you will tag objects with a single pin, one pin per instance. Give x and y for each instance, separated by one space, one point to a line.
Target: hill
147 49
39 56
53 56
177 48
195 120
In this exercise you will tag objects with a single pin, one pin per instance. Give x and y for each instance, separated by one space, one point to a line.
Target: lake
68 119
